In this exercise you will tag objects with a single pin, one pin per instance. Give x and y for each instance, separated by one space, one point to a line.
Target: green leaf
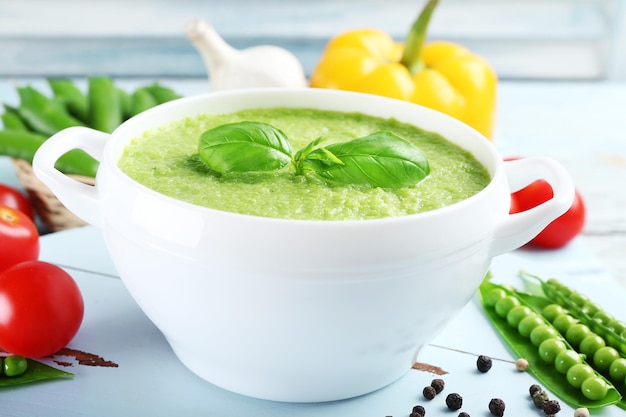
244 147
381 159
36 371
521 346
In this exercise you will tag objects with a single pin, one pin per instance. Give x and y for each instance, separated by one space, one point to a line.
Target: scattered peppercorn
483 363
454 401
539 398
429 392
438 385
521 364
534 388
496 407
551 407
420 410
414 414
463 414
581 412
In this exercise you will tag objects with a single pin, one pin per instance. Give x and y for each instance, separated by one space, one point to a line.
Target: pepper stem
411 58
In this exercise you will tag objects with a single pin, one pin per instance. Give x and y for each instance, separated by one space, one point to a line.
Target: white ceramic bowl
294 310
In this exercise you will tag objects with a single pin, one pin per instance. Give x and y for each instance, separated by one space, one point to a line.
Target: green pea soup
166 160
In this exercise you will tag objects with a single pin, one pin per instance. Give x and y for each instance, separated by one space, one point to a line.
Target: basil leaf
36 371
381 159
244 147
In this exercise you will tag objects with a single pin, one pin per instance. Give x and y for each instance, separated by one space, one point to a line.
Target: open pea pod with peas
554 362
579 306
590 329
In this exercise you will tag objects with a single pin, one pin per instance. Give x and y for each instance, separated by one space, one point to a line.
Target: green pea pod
43 114
162 94
124 98
141 100
20 144
522 347
105 110
556 294
36 371
11 119
75 101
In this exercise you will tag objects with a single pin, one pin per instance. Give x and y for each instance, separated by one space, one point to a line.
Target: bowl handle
79 198
517 229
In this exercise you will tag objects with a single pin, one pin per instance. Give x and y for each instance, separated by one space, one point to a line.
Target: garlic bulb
257 66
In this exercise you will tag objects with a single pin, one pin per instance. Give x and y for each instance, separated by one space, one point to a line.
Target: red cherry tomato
10 197
41 309
563 229
19 238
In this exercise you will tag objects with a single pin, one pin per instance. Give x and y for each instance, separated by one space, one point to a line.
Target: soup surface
166 160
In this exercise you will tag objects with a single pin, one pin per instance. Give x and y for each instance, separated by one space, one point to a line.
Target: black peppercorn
429 392
496 407
551 407
483 363
454 401
414 414
420 410
463 414
533 389
438 385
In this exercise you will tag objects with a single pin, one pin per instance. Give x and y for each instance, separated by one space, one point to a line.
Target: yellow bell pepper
441 75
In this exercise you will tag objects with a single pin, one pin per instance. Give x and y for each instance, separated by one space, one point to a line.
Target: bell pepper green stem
411 58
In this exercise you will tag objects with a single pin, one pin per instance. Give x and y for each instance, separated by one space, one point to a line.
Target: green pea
617 370
579 299
594 388
541 333
590 344
14 365
550 348
579 373
603 317
603 358
617 326
516 314
590 309
551 311
504 305
493 296
576 333
563 322
528 323
555 283
563 289
566 359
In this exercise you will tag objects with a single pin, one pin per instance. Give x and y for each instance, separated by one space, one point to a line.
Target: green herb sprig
381 159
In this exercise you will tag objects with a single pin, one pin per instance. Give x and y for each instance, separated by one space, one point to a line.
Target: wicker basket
53 214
